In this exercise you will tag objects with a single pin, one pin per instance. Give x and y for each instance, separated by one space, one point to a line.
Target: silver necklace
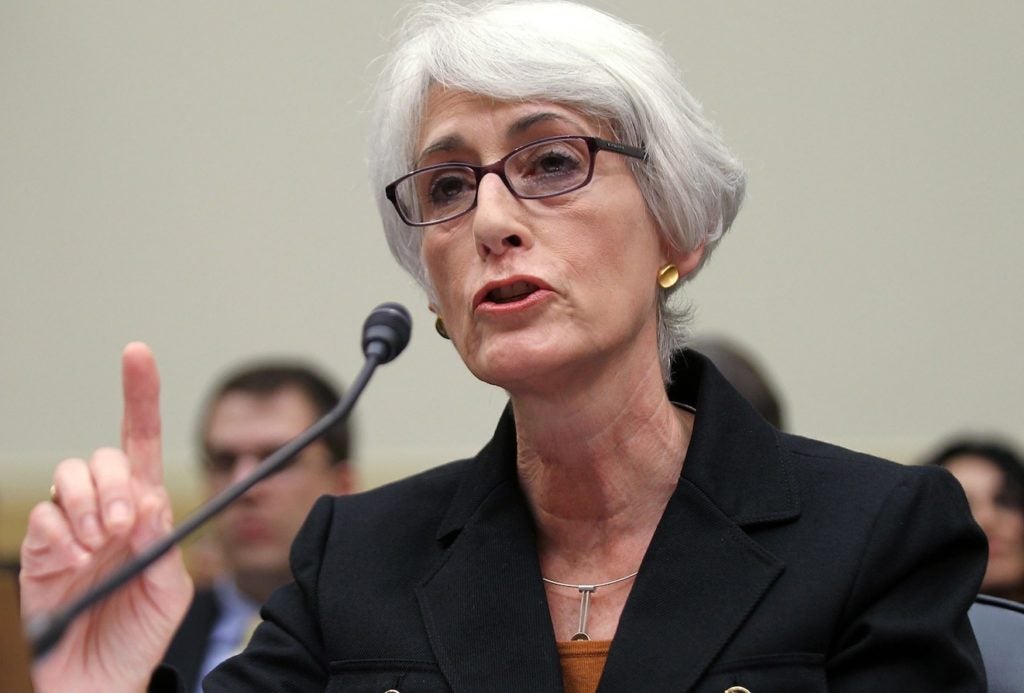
585 592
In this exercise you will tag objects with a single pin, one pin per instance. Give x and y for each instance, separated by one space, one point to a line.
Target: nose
243 465
498 219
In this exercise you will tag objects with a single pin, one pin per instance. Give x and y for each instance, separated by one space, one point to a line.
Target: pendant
585 592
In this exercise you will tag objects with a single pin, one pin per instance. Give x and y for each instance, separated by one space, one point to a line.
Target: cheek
631 234
215 484
437 258
626 265
1014 531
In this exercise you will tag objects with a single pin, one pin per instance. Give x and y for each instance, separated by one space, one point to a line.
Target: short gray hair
577 56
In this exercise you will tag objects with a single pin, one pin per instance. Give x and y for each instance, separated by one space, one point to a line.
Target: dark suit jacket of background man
188 648
780 564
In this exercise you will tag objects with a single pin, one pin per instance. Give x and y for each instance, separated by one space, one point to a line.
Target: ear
686 261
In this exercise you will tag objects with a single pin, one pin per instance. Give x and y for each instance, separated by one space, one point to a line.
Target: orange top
582 664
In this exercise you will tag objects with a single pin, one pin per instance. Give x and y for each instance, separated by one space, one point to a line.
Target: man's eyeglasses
545 168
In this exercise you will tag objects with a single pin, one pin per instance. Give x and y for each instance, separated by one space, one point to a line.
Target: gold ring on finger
53 493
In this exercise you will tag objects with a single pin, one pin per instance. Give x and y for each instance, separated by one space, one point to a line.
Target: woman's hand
105 511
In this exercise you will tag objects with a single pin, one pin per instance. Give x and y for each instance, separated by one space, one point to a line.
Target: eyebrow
445 144
526 122
451 142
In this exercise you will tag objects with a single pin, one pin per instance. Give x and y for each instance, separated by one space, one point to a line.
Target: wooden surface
14 672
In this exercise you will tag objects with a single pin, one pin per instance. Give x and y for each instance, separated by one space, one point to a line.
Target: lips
508 290
249 528
511 292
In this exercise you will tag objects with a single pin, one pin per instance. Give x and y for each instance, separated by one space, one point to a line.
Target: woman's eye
447 189
1008 500
553 163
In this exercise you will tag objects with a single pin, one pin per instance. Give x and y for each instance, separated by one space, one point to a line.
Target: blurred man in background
250 414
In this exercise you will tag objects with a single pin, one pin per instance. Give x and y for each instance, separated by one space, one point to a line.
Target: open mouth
511 292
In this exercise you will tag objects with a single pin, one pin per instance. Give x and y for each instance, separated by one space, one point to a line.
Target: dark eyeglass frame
594 145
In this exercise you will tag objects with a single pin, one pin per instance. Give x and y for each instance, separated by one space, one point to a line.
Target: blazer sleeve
286 651
905 625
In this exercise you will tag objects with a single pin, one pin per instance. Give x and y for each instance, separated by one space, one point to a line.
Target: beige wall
192 174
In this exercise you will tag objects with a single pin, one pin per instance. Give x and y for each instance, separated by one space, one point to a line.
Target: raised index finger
140 428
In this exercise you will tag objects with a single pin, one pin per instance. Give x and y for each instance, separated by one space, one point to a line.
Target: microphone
386 333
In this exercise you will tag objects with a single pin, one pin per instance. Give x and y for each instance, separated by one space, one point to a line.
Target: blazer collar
700 564
735 456
493 466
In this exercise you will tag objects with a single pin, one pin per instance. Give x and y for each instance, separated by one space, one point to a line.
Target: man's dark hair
270 377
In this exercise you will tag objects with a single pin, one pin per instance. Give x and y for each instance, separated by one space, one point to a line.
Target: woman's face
532 291
1003 525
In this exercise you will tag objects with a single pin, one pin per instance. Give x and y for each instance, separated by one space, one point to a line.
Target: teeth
511 292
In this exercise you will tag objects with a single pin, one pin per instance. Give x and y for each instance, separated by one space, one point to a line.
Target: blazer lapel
700 579
484 608
702 574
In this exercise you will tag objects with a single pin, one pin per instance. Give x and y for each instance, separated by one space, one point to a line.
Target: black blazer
780 564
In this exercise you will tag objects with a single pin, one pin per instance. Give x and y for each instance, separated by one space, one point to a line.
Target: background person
250 414
745 373
633 520
992 475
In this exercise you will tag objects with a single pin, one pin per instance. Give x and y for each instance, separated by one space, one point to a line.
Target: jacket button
736 689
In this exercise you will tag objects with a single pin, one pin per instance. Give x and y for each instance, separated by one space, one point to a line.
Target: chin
507 362
258 561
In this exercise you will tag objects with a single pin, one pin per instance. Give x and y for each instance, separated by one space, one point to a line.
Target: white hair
566 53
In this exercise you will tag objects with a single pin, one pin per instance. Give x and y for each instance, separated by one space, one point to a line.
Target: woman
632 520
992 475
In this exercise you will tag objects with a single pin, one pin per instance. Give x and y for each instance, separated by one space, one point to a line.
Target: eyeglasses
545 168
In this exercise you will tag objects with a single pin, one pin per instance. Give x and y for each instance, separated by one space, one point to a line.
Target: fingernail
118 512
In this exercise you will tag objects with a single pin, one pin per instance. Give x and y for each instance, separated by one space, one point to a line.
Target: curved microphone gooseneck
386 333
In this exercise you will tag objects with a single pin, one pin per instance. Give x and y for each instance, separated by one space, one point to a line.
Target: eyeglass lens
539 170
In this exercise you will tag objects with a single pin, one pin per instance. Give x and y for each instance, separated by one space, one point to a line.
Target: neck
259 587
598 466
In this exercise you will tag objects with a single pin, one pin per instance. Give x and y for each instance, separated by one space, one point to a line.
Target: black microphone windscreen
386 331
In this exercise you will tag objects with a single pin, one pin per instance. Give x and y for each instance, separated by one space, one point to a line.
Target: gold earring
668 276
439 326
